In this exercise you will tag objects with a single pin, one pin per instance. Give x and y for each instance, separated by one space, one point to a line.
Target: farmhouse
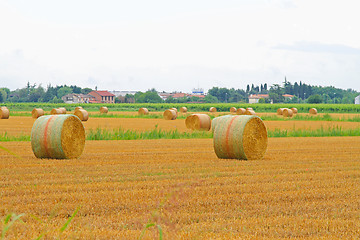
357 100
254 98
78 98
102 97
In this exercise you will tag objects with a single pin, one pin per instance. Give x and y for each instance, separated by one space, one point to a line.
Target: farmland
179 189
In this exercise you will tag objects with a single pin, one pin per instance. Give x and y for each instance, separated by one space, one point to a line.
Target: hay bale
249 108
170 114
37 112
183 109
104 110
143 111
249 112
287 112
77 108
212 109
56 111
63 110
233 109
58 136
313 111
240 111
200 122
4 113
175 109
240 137
82 114
280 111
295 111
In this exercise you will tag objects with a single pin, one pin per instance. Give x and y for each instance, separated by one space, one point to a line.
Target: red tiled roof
258 96
288 95
179 95
104 93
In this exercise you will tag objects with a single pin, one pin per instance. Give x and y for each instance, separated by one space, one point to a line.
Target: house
254 98
357 100
288 96
78 98
102 97
122 93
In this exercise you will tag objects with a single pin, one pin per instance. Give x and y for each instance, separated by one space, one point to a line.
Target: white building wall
357 100
253 100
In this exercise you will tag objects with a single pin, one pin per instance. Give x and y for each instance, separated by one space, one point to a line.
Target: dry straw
183 109
280 111
295 111
288 112
63 110
313 111
104 110
143 111
82 114
77 108
249 108
200 122
58 136
56 111
170 114
250 112
4 113
212 109
233 109
239 137
37 112
240 111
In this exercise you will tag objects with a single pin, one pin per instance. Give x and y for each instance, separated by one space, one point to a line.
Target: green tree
210 99
148 97
64 91
86 90
315 99
276 93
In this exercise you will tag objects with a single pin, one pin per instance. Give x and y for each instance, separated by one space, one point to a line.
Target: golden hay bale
104 110
63 110
175 109
198 122
82 114
249 108
37 112
280 111
58 136
212 109
240 137
56 111
170 114
143 111
287 112
249 112
233 109
240 111
313 111
183 109
4 113
295 111
78 108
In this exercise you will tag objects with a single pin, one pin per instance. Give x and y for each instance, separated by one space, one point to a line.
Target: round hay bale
212 109
249 108
233 109
295 111
56 111
170 114
4 113
183 109
104 110
175 109
58 136
240 111
280 111
82 114
143 111
249 112
240 137
287 112
37 112
200 122
63 110
77 108
313 111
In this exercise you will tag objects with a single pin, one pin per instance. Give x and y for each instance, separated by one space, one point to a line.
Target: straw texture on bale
82 114
183 109
63 110
58 137
239 137
288 112
313 111
249 108
77 108
104 110
143 111
56 111
175 109
213 109
250 112
295 111
240 111
170 114
200 122
233 109
280 111
37 112
4 113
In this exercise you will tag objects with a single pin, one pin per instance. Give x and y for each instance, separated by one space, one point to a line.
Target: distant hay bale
77 108
37 112
104 110
280 111
58 136
240 111
287 112
4 113
233 109
82 114
63 110
249 108
200 122
295 111
175 109
170 114
212 109
313 111
56 111
183 109
250 112
239 137
143 111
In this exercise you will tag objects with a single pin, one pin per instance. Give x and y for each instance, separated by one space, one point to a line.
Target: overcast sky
179 45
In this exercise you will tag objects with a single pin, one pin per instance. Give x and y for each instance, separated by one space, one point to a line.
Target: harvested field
120 186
